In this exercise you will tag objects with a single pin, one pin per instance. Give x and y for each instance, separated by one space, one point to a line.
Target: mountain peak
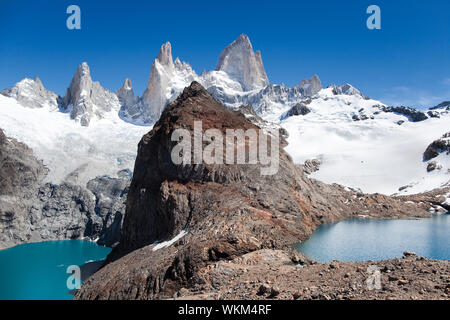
243 38
87 99
243 65
311 86
83 70
32 94
127 84
126 94
165 54
346 89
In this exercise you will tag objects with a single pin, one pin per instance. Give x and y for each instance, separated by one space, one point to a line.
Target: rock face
412 114
32 94
20 172
167 80
200 214
162 72
311 86
86 99
443 105
31 211
437 147
126 94
300 108
243 65
346 89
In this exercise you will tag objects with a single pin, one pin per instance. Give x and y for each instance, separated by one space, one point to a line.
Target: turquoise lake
38 270
367 239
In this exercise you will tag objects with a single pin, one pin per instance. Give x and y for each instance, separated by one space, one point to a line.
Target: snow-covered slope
70 151
381 153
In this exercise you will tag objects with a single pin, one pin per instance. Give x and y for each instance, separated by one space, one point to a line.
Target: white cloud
446 82
413 97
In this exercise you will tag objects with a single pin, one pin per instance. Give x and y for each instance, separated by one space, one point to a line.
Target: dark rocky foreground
238 224
276 274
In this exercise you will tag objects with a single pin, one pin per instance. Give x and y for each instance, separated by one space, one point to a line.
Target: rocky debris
86 99
31 211
435 200
311 166
32 94
411 277
433 114
437 147
412 114
263 289
210 214
409 254
361 116
243 65
300 108
433 165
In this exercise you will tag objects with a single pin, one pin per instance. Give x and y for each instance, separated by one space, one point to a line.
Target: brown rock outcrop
225 210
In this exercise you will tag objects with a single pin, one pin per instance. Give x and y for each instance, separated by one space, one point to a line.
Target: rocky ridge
33 211
32 94
240 63
86 99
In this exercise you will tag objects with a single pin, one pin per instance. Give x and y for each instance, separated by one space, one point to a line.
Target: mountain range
360 142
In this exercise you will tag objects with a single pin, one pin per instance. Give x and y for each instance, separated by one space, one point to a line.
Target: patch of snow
168 243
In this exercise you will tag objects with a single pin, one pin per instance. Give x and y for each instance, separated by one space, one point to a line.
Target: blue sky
406 62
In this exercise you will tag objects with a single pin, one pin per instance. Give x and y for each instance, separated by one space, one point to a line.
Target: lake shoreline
362 239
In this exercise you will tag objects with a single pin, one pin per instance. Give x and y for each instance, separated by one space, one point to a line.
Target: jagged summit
127 84
311 86
126 94
165 55
167 80
86 99
243 65
154 98
32 94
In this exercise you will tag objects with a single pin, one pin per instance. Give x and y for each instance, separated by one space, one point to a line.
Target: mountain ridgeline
239 79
